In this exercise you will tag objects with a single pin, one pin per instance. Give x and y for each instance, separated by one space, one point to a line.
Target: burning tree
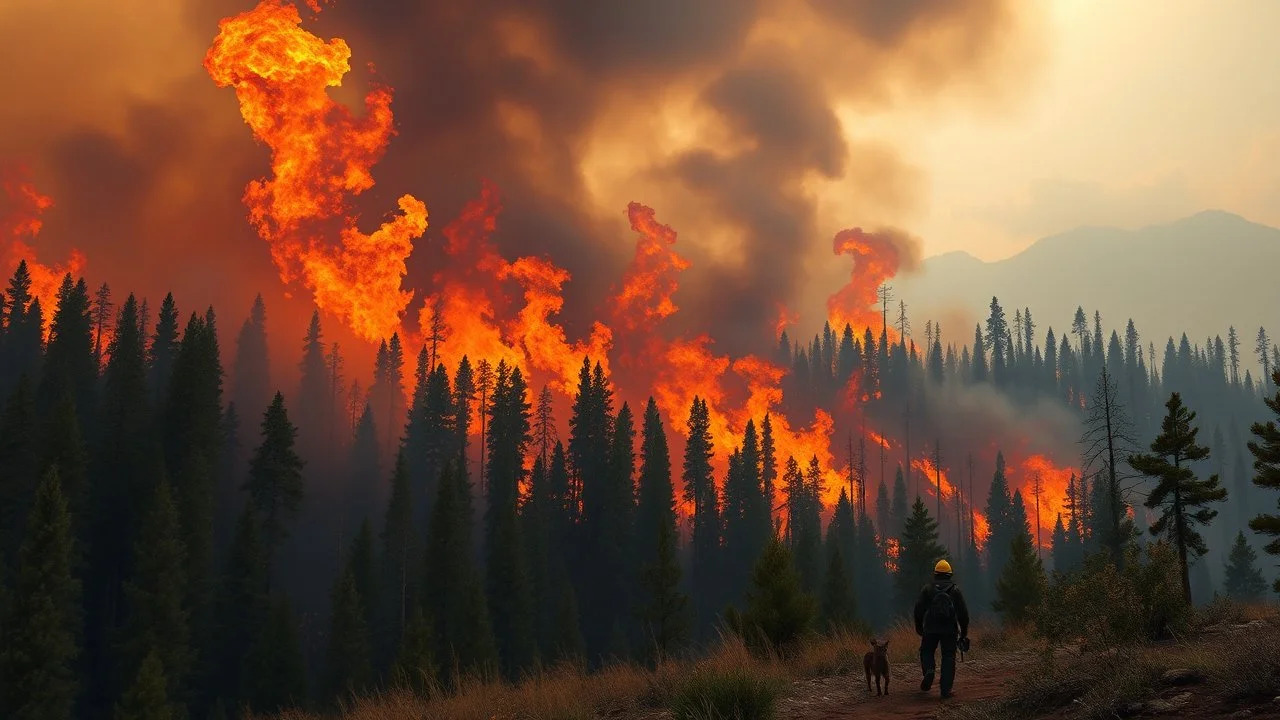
1178 490
1108 434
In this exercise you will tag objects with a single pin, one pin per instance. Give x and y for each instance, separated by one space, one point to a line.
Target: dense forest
184 529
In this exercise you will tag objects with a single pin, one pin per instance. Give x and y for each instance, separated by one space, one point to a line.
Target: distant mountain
1198 275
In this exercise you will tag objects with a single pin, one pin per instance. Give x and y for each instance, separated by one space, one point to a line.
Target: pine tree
778 612
917 555
656 499
63 446
148 698
398 561
899 509
69 363
1000 508
19 476
1182 497
348 668
252 371
414 666
313 409
769 457
1021 586
1242 579
510 601
666 614
360 566
365 464
42 619
158 614
275 478
1063 559
277 672
700 491
241 612
1266 466
839 607
164 348
23 332
448 562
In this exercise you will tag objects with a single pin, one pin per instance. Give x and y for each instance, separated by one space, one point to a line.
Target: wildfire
877 257
786 318
650 280
891 550
1053 490
320 155
21 221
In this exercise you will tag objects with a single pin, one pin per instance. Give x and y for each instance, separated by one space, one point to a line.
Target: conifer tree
448 562
147 697
656 499
397 566
769 460
365 465
348 668
414 666
1020 586
163 348
839 607
900 508
1000 509
510 601
19 476
23 332
158 614
666 612
252 372
428 440
778 612
277 672
275 478
1063 559
63 446
477 653
700 491
69 363
1266 467
884 512
42 617
1182 497
313 409
917 555
464 394
360 566
1242 579
241 612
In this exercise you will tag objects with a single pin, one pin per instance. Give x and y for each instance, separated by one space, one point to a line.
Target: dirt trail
985 676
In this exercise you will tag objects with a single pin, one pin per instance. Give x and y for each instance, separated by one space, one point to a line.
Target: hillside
1198 275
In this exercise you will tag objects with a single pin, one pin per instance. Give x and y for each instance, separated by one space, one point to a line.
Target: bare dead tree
885 293
904 323
101 316
484 383
544 426
1109 435
437 332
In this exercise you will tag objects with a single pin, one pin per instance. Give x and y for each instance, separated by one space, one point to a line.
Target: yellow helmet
943 567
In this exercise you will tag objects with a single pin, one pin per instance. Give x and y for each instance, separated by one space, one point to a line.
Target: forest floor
1227 668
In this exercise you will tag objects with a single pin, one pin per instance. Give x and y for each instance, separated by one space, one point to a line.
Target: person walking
942 618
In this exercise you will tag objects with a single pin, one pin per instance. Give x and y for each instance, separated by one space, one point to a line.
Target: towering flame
877 257
321 154
20 222
650 280
1053 491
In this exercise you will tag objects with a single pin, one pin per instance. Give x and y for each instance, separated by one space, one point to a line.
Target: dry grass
1237 662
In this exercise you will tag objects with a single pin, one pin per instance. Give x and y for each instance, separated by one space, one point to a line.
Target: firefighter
941 619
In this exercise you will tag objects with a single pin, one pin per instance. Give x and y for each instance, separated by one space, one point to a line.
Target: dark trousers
928 645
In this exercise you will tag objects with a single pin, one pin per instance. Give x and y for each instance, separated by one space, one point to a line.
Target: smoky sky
153 188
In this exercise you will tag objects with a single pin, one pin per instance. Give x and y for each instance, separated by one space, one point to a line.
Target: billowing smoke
726 113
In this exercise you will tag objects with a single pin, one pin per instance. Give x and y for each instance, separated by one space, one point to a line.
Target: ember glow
321 154
20 223
1053 490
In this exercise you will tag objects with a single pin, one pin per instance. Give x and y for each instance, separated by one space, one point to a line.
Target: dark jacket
926 597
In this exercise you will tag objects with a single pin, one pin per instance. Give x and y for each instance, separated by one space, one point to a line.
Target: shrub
738 693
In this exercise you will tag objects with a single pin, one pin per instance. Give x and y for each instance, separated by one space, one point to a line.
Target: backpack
941 615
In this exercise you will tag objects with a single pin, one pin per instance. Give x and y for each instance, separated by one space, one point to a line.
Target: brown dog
876 663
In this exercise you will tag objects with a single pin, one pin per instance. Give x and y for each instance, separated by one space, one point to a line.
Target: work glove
964 644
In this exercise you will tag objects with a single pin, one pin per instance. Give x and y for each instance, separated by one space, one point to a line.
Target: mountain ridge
1200 275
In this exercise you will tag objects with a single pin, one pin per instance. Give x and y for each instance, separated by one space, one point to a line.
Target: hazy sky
1143 111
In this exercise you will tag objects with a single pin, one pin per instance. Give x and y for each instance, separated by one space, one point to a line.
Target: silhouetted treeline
174 541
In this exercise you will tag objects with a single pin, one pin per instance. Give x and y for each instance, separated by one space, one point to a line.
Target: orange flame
650 280
786 318
891 551
320 154
877 257
22 219
1053 491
